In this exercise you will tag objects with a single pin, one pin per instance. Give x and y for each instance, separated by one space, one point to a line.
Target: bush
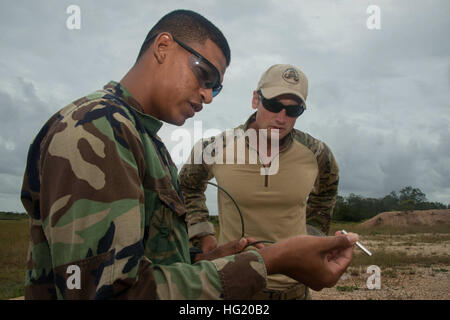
356 208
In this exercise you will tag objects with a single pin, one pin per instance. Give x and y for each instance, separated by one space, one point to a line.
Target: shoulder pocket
166 227
171 199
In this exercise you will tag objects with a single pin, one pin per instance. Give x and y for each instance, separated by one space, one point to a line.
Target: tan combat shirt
275 206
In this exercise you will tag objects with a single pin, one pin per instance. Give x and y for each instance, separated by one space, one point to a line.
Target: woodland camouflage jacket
103 198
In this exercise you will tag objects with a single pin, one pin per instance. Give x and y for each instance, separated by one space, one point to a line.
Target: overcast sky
379 98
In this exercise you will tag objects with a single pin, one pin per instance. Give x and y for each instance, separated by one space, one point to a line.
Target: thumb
352 237
341 241
241 244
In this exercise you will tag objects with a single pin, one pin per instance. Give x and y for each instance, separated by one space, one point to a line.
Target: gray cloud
378 98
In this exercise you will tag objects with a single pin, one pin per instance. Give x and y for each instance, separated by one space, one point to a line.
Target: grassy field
414 263
385 239
394 249
14 237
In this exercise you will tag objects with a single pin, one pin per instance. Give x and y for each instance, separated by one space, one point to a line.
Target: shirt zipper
266 178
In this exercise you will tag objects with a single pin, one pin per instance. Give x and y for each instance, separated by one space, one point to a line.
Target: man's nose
206 95
281 116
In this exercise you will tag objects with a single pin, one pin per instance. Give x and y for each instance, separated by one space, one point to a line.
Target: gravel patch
402 283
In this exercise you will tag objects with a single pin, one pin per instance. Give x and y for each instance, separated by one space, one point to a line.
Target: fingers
232 247
339 251
353 237
208 243
257 245
244 242
240 245
339 256
341 241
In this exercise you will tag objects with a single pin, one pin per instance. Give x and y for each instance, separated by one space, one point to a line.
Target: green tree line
12 215
357 208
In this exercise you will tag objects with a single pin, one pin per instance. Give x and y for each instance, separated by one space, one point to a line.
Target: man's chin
276 133
178 121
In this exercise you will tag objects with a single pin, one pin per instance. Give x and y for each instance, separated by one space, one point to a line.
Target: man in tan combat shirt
300 190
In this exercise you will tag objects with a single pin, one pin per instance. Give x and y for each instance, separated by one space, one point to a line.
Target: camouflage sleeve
88 238
194 177
234 277
322 199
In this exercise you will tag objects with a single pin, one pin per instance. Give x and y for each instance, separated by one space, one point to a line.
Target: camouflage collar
120 91
151 123
284 143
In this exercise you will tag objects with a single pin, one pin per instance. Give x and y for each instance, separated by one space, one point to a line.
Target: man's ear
162 44
255 100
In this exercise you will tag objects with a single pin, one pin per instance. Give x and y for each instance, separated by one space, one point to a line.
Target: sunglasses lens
216 90
294 111
276 106
272 106
207 76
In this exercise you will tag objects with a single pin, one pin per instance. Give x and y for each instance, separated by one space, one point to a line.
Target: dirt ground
427 281
409 218
413 283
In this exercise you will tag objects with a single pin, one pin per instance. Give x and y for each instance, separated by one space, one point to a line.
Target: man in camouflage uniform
103 195
274 206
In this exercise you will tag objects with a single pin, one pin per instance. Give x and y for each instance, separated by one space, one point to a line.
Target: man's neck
140 89
259 145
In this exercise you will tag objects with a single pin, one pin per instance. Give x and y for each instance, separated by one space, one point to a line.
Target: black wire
235 203
259 241
241 216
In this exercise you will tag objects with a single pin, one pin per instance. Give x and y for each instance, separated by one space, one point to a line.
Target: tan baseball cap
282 79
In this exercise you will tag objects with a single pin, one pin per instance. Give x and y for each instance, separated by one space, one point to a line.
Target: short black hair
189 27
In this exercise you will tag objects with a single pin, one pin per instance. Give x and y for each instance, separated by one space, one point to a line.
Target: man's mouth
276 128
196 106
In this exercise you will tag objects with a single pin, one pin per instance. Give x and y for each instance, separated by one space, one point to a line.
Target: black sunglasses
276 106
207 74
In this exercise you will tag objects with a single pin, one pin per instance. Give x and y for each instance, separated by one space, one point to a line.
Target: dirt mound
403 219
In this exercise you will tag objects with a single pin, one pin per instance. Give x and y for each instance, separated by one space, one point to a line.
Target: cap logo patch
291 75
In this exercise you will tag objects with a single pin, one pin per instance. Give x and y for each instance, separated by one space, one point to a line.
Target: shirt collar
151 123
284 143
